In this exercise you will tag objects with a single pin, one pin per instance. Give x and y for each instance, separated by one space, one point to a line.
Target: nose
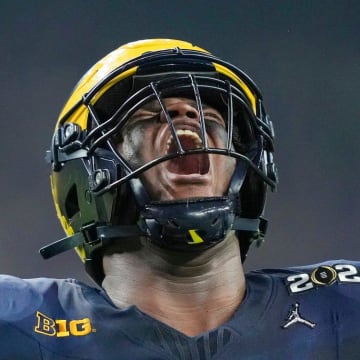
180 109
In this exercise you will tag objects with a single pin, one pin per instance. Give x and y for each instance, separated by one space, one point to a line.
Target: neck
192 294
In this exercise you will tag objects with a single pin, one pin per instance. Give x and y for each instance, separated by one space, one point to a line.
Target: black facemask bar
173 60
197 85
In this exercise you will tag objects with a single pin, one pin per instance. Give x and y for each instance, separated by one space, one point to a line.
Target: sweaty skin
192 293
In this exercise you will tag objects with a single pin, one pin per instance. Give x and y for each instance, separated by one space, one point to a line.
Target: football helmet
99 194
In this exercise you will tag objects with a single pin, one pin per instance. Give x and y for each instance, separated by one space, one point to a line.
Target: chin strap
205 223
92 237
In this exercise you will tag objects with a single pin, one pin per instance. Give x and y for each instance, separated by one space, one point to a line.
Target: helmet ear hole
72 203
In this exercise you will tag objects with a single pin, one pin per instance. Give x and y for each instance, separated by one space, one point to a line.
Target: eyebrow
151 106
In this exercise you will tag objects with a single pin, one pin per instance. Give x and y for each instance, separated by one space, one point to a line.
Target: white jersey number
346 273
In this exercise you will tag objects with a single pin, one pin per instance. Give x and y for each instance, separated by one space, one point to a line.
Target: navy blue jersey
300 313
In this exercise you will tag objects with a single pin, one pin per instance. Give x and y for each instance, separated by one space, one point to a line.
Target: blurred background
304 55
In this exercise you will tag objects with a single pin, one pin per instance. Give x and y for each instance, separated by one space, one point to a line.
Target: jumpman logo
295 317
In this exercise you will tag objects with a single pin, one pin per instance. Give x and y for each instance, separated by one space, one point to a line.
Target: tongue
188 164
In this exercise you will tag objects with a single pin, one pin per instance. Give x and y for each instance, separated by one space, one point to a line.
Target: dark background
304 55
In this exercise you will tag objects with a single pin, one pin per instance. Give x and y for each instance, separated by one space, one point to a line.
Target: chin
191 193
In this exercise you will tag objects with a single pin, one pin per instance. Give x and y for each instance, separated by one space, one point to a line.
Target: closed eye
143 115
213 115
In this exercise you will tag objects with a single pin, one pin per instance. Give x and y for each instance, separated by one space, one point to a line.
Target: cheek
228 167
217 134
225 166
133 146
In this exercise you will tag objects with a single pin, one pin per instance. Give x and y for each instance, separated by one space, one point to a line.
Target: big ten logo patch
62 328
323 275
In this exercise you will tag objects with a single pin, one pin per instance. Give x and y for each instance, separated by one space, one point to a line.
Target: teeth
186 132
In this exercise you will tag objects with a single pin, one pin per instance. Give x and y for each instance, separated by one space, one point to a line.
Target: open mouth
187 164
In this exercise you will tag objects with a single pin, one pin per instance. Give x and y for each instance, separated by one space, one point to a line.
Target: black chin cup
205 222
